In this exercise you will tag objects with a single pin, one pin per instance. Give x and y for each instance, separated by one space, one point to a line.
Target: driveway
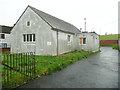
97 71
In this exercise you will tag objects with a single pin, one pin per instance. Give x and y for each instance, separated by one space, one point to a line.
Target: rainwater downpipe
57 42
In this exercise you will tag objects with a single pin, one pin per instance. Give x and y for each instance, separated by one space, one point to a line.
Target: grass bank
47 64
114 46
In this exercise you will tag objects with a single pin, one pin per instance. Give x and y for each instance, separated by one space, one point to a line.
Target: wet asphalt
97 71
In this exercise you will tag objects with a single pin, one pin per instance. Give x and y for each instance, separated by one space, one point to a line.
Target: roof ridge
49 14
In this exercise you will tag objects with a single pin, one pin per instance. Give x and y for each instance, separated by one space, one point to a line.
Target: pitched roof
6 29
56 23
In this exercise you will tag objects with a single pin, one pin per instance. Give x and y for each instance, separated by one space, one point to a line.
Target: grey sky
102 15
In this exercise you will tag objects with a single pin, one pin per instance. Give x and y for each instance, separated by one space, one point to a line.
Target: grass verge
49 64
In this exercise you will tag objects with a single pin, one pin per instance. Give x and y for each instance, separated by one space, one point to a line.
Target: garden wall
106 42
4 49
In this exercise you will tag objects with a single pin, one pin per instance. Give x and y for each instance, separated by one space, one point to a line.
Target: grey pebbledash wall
46 39
92 42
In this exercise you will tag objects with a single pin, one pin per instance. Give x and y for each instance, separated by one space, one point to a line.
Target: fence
17 69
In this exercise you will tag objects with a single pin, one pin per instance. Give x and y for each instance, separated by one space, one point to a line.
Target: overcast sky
101 15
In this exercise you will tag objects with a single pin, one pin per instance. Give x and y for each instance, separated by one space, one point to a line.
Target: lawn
109 37
47 64
114 46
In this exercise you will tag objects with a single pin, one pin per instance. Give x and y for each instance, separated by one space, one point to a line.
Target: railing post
21 64
34 64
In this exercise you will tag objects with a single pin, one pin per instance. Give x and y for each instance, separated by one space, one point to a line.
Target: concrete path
97 71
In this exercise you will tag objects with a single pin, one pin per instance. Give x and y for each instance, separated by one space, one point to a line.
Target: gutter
55 29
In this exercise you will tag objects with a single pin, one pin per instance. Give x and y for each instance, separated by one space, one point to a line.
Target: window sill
29 42
82 44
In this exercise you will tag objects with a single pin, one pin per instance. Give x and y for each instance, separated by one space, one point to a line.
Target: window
82 41
24 37
68 38
4 45
2 36
33 37
28 23
28 37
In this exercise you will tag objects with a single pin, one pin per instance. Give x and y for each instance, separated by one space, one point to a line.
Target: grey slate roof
5 29
56 23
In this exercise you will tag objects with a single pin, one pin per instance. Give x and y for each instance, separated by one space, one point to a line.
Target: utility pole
85 23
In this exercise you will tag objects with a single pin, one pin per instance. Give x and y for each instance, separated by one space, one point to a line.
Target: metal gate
17 69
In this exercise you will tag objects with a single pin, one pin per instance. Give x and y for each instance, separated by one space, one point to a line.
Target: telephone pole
85 23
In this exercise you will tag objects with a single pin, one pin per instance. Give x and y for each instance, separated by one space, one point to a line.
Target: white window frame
27 38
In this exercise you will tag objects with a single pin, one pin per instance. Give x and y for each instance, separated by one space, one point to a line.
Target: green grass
47 64
114 46
109 37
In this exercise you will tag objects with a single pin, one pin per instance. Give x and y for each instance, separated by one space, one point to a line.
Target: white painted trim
28 37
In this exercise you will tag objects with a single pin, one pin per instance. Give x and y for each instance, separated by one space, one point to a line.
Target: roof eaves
52 26
62 30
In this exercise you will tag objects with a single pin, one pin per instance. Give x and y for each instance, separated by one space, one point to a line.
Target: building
88 41
39 32
5 36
